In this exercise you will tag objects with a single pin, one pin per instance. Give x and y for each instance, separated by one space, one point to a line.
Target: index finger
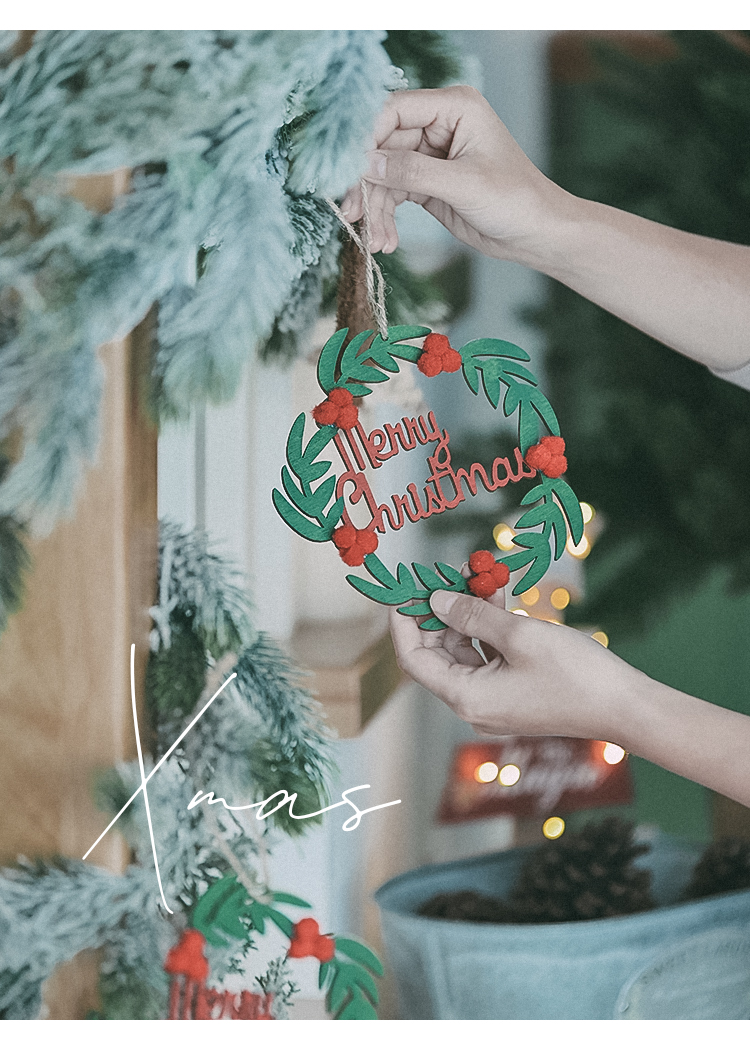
436 109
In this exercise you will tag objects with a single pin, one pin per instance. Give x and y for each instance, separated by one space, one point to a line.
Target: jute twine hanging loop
361 293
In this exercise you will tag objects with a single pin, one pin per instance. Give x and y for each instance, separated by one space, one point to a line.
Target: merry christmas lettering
383 443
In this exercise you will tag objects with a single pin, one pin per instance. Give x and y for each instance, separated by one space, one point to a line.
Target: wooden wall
64 659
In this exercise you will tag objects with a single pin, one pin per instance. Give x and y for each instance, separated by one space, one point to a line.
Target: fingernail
377 162
346 205
442 601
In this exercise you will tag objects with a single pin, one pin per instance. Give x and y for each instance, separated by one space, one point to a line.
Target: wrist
550 229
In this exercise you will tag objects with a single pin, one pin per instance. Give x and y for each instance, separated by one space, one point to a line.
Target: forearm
690 737
691 293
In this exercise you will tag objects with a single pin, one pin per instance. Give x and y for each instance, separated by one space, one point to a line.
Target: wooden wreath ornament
314 502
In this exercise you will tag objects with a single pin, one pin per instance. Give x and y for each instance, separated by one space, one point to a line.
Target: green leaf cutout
304 506
220 911
403 588
329 357
294 901
359 953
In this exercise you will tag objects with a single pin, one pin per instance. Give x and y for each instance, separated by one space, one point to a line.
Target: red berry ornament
340 397
307 942
338 409
489 576
347 418
481 560
451 361
325 948
438 356
353 544
430 365
344 536
187 958
548 456
501 574
325 413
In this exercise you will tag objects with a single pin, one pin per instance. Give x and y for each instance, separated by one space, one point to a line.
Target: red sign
534 777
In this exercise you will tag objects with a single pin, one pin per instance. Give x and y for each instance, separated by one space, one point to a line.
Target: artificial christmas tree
227 146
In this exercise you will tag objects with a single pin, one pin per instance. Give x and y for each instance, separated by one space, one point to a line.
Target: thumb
415 173
476 618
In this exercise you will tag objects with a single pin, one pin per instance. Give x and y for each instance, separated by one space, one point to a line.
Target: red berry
325 948
340 397
354 556
501 574
325 413
481 560
483 585
306 928
367 540
301 948
557 466
344 536
347 417
537 457
429 365
436 344
547 456
451 361
187 958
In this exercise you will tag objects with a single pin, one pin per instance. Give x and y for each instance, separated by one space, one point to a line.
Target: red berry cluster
548 456
187 957
489 576
438 356
307 942
353 544
338 409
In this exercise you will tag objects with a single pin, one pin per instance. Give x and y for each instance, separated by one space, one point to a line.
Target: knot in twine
373 275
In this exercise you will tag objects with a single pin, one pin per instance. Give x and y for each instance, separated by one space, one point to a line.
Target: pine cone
587 875
723 867
466 905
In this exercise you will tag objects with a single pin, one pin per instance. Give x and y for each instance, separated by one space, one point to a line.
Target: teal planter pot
456 970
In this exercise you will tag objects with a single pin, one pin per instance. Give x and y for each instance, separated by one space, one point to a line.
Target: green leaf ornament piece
351 992
496 367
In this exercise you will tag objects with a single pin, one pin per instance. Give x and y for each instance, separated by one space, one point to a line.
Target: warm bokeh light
560 599
486 772
509 775
531 596
503 536
612 754
519 610
581 550
587 511
553 827
601 638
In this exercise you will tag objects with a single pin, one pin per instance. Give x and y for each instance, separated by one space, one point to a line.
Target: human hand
536 679
448 150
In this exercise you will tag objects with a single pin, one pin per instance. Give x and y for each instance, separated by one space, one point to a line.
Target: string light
559 599
601 638
486 772
612 753
581 550
553 827
503 536
531 596
587 511
509 775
